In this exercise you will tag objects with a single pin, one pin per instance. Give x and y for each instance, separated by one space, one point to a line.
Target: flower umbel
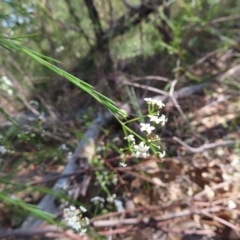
147 127
153 102
73 218
141 150
148 100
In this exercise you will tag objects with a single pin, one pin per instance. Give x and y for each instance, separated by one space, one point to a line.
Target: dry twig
204 147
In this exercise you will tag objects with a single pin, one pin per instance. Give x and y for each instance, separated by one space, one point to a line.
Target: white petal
137 154
146 148
136 147
122 164
162 155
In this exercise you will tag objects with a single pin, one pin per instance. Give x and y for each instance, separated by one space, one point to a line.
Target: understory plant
141 145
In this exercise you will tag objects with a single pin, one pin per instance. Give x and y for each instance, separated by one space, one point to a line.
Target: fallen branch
207 232
160 219
222 221
146 87
50 231
80 160
216 186
204 147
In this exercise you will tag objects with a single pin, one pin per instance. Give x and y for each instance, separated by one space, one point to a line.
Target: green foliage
108 103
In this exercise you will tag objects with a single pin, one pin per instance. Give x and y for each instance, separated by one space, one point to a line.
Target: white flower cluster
59 49
152 105
157 120
111 198
98 201
73 218
154 102
130 138
106 178
119 205
141 150
3 150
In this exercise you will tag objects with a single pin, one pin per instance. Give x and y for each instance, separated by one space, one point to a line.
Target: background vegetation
126 50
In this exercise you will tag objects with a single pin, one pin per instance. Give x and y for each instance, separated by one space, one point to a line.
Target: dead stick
204 147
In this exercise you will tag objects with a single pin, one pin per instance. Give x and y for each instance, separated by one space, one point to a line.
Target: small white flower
97 199
83 209
41 116
115 179
59 49
13 196
111 198
141 150
159 103
3 150
72 218
7 81
116 139
72 208
156 102
119 205
83 231
162 155
69 155
130 138
148 100
146 127
163 119
63 147
86 219
122 164
154 118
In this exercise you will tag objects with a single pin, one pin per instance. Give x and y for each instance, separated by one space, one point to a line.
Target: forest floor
192 194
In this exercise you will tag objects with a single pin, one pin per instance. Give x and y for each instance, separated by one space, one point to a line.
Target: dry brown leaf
158 182
136 183
149 167
141 199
